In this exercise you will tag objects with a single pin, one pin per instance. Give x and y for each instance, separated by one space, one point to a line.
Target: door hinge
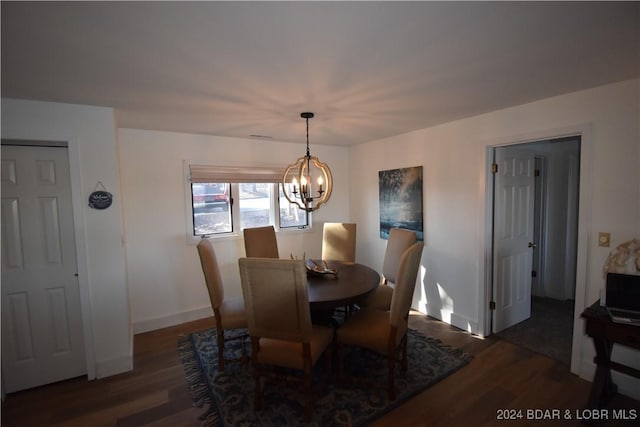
534 273
494 168
492 305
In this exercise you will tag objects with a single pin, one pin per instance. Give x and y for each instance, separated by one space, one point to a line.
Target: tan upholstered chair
277 301
229 313
385 332
399 241
339 244
261 242
339 241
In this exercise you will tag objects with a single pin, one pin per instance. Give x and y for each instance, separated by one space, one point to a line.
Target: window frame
234 194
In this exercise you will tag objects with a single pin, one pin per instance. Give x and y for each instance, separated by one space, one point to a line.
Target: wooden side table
605 333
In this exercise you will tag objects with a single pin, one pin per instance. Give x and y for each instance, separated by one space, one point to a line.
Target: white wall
91 136
163 269
454 160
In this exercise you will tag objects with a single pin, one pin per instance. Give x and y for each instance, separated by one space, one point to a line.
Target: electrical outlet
604 239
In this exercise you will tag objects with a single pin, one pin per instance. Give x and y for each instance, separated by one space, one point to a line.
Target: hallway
548 331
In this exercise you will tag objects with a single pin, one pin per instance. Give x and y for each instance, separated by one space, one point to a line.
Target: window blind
211 173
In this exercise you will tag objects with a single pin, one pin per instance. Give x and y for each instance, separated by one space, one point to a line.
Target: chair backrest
276 298
403 291
399 241
261 242
211 272
339 241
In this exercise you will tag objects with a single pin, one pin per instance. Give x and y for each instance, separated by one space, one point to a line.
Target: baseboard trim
457 320
171 320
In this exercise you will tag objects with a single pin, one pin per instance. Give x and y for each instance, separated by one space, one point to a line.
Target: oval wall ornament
100 199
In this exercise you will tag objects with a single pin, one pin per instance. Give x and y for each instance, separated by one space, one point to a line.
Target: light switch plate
604 239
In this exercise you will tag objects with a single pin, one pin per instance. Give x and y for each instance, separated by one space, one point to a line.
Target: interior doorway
549 292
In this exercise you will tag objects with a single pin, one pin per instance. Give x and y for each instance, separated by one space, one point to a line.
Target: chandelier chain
308 137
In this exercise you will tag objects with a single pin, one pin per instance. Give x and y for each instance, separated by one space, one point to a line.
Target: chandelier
307 183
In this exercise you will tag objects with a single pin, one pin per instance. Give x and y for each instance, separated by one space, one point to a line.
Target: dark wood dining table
352 282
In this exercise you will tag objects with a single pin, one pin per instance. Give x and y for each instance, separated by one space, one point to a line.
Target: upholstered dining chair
261 242
339 241
279 318
385 332
399 241
339 244
229 313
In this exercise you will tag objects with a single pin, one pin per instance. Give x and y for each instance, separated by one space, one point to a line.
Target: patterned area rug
229 394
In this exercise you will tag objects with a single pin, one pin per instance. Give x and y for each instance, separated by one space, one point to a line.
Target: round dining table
351 282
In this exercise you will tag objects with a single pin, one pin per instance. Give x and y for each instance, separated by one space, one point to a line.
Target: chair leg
391 380
308 407
340 360
220 337
243 343
404 354
257 373
329 365
257 400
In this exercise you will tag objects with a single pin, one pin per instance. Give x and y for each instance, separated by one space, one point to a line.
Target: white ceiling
368 70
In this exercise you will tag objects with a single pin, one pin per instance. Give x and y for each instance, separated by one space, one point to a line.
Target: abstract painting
401 200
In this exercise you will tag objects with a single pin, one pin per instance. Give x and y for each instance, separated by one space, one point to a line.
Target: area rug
228 395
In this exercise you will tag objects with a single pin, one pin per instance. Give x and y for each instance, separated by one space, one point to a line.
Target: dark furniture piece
605 333
328 291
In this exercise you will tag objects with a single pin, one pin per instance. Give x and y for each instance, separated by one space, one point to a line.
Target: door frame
539 225
77 202
585 132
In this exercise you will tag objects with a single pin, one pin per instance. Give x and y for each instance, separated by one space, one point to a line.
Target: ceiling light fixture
299 178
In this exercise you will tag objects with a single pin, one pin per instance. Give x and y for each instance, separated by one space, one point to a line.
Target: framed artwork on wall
401 200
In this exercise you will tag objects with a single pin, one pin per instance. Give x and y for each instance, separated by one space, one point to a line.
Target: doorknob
531 245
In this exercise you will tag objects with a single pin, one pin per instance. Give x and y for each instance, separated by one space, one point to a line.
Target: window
224 200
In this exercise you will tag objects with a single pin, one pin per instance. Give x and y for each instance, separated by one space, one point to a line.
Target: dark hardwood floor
501 377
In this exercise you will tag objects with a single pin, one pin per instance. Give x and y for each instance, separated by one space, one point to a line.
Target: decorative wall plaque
100 199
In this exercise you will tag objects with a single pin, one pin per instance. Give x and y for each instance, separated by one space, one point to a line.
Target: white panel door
514 194
42 339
